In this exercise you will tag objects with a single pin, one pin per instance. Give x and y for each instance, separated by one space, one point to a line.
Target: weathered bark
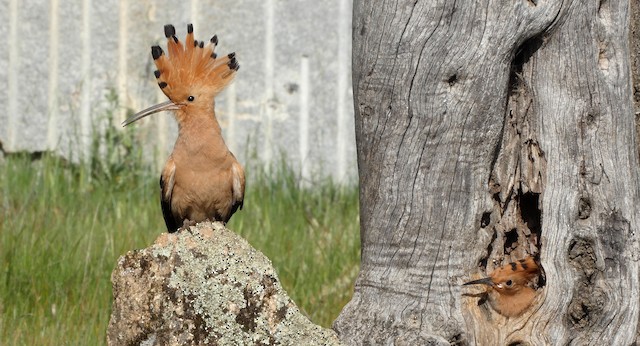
634 46
488 132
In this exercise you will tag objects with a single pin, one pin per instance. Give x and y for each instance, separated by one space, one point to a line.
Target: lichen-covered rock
205 285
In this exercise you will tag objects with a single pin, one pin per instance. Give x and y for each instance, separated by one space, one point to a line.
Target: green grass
63 227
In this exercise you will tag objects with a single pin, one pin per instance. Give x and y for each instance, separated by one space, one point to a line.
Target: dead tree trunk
488 132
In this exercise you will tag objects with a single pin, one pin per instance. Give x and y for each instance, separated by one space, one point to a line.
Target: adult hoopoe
201 179
511 288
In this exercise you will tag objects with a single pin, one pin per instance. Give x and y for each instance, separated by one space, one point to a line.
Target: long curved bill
484 281
164 106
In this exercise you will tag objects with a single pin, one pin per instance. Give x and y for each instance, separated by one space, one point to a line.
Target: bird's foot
214 220
187 223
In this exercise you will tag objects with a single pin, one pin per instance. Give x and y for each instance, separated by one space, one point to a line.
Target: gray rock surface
205 285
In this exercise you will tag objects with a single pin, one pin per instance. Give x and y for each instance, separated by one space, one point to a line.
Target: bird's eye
509 283
191 98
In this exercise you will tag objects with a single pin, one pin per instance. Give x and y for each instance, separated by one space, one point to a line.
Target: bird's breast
202 191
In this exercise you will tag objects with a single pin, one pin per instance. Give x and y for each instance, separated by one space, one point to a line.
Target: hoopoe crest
187 72
202 180
511 288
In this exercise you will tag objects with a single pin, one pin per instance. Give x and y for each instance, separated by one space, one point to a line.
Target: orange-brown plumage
510 288
202 180
191 66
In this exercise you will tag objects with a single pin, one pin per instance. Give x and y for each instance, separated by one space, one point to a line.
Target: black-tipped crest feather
233 64
169 31
156 52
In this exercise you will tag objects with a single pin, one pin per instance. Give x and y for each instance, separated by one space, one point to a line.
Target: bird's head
511 278
190 74
511 287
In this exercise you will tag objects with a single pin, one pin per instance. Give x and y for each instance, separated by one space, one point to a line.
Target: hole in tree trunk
510 240
485 220
523 54
531 215
452 80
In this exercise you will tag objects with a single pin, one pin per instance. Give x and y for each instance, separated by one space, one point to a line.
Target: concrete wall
63 58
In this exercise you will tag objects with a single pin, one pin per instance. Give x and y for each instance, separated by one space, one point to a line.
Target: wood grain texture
487 133
583 103
634 47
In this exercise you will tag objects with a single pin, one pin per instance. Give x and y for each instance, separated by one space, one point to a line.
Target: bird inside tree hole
512 288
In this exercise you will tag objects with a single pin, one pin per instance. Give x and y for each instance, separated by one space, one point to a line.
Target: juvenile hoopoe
511 288
201 180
